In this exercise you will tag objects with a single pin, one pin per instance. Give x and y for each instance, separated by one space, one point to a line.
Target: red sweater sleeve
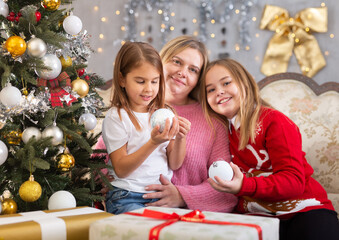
282 141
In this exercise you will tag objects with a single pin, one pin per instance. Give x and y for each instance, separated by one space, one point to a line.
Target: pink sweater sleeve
202 196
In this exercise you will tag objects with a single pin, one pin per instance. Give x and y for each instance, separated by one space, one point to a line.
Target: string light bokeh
110 25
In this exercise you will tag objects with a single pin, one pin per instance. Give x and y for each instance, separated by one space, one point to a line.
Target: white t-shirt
117 133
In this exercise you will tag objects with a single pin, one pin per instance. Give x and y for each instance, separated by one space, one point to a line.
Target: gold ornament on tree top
51 5
293 34
30 191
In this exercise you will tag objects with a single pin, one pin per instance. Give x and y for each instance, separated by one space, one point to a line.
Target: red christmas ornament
81 72
87 78
11 17
17 18
37 16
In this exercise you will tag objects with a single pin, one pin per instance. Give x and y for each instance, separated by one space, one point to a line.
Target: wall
91 13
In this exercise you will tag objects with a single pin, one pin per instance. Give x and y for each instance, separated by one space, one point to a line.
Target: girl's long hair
177 45
250 100
130 56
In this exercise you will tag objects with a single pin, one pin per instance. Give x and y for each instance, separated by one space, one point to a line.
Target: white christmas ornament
159 118
72 24
61 199
53 62
3 152
10 96
4 10
36 47
89 121
30 132
222 169
55 132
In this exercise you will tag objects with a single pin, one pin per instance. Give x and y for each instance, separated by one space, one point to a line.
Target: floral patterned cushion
318 120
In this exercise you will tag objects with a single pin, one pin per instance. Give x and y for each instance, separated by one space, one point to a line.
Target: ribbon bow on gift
56 89
195 216
293 34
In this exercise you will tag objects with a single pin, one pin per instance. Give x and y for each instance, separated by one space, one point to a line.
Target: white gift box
216 226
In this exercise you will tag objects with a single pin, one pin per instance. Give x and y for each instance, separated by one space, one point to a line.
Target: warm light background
104 20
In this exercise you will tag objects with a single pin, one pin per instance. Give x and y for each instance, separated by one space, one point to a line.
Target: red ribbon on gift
194 216
56 89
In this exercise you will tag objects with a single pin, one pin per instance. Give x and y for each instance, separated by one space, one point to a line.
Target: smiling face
182 73
222 92
141 86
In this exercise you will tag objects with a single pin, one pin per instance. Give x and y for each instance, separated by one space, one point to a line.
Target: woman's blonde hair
130 56
250 101
177 45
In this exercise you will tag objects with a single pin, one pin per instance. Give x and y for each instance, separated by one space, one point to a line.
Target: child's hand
184 127
232 186
167 134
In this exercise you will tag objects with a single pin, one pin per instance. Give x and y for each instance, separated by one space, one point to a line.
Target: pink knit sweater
202 149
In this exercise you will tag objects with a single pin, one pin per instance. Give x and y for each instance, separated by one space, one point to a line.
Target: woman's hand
184 127
167 193
232 186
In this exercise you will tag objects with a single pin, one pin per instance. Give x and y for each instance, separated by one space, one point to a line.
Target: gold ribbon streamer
293 34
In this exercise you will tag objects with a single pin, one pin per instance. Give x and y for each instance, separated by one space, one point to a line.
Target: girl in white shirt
138 153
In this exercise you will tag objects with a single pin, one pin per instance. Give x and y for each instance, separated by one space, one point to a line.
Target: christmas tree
48 107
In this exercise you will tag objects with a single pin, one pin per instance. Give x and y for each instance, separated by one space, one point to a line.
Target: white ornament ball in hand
159 118
10 96
88 120
222 169
3 152
61 199
72 24
53 62
30 132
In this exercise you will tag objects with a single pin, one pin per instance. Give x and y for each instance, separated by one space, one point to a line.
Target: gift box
174 223
70 224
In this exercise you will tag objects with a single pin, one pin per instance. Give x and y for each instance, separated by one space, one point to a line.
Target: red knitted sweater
277 177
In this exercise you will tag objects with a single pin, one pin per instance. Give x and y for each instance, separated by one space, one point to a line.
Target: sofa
315 109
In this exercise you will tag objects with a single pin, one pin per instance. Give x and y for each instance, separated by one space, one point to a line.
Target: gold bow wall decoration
293 35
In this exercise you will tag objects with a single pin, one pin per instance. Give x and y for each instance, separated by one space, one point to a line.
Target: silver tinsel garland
78 48
207 10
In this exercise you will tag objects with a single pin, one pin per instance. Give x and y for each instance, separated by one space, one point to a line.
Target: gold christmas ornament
65 161
14 137
24 91
51 5
65 63
9 206
293 35
15 45
80 86
30 191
